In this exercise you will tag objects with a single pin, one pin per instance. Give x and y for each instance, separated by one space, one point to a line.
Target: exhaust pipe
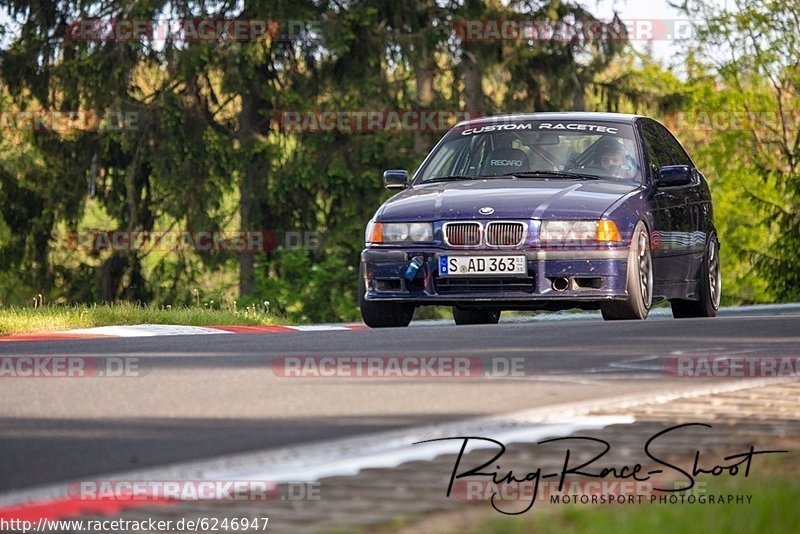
560 284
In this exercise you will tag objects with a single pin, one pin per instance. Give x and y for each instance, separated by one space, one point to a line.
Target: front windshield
592 149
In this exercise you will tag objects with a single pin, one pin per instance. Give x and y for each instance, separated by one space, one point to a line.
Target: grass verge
773 508
54 318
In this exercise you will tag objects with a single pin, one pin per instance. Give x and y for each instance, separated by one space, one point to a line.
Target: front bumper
592 276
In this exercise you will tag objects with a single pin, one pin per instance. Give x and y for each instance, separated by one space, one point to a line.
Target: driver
612 158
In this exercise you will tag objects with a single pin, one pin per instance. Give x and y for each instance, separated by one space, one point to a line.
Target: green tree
754 47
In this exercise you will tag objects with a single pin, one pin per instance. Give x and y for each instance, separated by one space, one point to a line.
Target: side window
658 153
678 155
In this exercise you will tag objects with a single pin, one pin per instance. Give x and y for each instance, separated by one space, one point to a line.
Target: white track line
146 330
150 330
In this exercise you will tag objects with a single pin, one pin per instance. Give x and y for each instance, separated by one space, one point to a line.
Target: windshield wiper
453 178
554 174
520 174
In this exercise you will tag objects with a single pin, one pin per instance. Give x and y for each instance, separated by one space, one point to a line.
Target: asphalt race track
203 396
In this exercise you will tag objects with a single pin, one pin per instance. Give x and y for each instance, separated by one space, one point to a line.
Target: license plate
482 265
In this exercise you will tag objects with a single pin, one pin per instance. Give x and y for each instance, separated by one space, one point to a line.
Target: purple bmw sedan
544 211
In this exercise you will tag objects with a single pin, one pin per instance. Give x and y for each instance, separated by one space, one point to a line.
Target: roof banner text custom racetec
545 125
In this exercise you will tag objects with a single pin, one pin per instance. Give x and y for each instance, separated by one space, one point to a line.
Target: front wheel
464 316
382 314
639 281
710 287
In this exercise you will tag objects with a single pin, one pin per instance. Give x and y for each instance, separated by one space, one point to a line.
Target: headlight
560 232
395 232
574 232
399 232
420 232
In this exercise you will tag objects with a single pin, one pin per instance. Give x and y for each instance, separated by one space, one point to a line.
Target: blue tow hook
413 267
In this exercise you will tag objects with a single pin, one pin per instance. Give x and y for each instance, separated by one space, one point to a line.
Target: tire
464 316
639 281
710 286
382 314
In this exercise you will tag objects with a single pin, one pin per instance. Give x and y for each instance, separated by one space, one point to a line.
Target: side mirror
395 179
671 175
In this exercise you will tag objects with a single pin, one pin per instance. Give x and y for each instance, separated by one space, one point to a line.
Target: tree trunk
424 79
472 66
248 188
424 73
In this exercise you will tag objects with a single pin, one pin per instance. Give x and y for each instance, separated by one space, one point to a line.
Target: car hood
510 199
